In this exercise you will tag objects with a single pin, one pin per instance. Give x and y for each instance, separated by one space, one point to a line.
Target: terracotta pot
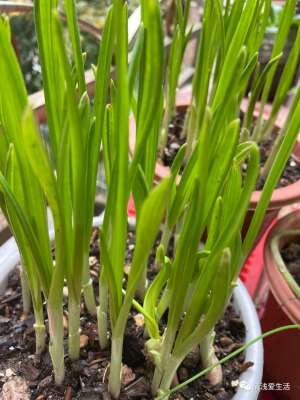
281 197
282 351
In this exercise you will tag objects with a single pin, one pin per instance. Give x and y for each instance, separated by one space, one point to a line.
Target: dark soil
290 175
175 141
152 270
291 256
87 378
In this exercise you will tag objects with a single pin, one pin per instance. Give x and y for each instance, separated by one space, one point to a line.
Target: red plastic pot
282 351
281 197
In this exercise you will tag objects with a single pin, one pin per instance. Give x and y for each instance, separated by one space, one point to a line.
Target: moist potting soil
291 173
87 378
291 256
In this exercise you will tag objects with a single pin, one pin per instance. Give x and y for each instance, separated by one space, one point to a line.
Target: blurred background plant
93 12
22 25
270 35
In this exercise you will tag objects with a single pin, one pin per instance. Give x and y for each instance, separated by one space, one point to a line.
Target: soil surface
175 140
291 256
86 379
290 175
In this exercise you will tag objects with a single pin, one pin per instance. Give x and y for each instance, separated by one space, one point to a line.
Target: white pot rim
250 380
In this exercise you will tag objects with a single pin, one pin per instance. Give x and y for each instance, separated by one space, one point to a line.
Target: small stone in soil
93 261
127 269
15 389
127 375
9 373
139 320
174 146
225 341
84 340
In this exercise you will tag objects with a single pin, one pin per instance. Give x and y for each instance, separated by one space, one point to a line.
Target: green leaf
140 191
39 160
150 220
280 41
231 61
107 151
291 130
214 224
225 359
110 276
152 296
137 54
151 90
121 193
287 76
52 79
256 91
101 91
75 40
219 299
20 221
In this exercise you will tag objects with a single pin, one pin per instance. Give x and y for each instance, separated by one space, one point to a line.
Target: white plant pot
249 381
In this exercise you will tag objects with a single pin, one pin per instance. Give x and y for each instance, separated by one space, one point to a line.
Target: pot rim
249 381
281 197
10 256
280 289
